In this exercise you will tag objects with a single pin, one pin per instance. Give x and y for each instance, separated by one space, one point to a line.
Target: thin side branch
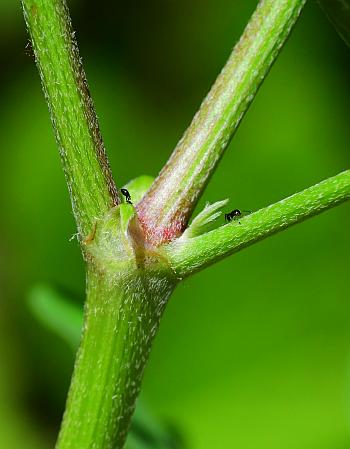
86 167
166 209
190 255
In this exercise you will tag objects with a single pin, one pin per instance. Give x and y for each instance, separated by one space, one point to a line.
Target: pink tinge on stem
157 232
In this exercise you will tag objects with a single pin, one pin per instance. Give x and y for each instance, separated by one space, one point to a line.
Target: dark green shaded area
338 12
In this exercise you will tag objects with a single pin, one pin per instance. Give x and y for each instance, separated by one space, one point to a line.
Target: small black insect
236 214
127 195
233 215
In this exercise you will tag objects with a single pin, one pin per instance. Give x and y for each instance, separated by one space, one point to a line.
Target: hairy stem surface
121 319
87 171
166 209
190 255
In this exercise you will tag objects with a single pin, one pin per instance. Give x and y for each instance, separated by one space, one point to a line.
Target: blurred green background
254 352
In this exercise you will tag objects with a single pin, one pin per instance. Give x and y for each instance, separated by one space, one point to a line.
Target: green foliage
138 187
56 313
201 223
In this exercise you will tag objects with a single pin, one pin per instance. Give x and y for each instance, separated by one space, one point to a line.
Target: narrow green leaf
204 219
56 313
138 187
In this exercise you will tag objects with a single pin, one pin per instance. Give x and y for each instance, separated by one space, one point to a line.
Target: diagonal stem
86 167
190 255
167 207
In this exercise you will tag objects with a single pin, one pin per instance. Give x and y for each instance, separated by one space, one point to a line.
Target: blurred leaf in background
57 314
60 316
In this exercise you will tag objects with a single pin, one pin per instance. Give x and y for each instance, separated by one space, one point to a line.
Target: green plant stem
167 207
190 255
89 178
121 318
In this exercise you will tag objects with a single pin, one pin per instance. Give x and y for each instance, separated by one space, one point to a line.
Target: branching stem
132 269
190 255
166 209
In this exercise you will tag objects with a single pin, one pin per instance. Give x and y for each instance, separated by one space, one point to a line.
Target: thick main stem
121 318
87 171
168 205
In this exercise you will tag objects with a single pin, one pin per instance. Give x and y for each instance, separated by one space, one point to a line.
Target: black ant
233 215
236 214
127 195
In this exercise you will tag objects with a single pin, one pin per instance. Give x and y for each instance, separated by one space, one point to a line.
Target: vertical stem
121 318
89 178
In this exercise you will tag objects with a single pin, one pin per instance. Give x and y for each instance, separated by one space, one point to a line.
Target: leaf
147 433
338 12
204 219
127 211
138 187
56 313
